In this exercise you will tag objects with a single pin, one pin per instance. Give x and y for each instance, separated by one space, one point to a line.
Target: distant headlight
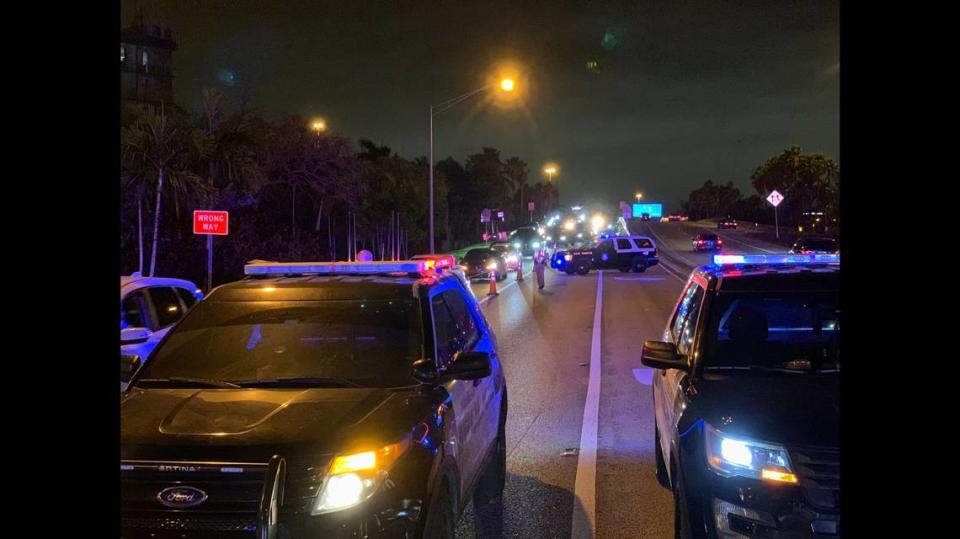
728 455
535 244
563 238
579 234
517 245
492 266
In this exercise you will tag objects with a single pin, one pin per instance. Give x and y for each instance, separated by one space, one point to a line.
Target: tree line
293 193
808 183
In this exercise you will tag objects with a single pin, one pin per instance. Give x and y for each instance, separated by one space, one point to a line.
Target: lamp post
550 170
505 85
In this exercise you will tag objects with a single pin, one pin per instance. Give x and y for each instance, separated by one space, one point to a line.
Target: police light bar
349 268
784 259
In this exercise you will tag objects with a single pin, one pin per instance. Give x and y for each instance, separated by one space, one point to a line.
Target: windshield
477 254
362 342
791 330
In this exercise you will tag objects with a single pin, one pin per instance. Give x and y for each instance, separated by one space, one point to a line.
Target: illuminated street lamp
506 85
550 169
319 125
639 195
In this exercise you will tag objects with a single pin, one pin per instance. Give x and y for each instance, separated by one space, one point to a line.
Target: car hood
791 409
254 424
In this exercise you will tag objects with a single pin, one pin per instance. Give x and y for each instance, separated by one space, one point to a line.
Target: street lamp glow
507 85
639 195
550 170
319 125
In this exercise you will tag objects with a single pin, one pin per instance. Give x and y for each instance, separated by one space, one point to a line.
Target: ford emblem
182 497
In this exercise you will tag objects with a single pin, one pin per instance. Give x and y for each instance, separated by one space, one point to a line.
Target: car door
625 252
448 341
136 312
681 332
167 311
605 256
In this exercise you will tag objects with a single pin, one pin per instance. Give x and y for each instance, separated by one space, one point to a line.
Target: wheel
441 521
583 269
662 476
494 477
639 264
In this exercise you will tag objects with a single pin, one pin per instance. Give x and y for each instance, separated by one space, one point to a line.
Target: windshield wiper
297 382
206 382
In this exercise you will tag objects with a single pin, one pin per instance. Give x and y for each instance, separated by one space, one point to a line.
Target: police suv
746 398
625 253
358 399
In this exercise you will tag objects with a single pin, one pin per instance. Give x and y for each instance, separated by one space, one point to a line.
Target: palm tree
154 145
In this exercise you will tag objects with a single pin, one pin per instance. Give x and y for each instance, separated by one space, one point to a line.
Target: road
580 424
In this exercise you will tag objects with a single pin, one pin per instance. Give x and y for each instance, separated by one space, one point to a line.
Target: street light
506 84
639 195
319 125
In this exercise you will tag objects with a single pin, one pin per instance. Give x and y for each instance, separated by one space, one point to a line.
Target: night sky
655 96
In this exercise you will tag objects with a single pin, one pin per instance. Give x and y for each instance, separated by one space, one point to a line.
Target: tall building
146 76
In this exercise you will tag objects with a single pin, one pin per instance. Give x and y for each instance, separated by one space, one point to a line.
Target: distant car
675 217
479 263
729 222
149 307
664 219
707 242
645 217
511 255
815 245
525 239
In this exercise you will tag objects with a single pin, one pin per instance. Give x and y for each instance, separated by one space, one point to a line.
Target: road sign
485 215
211 222
530 206
775 198
500 215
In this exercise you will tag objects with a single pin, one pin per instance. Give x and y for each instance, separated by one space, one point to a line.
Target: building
146 76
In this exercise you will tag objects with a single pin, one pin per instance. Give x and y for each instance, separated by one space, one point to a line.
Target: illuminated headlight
579 234
563 238
548 238
492 266
729 455
535 244
517 245
353 478
568 258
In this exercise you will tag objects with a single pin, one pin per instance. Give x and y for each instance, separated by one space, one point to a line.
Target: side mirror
129 364
662 355
469 366
134 335
425 372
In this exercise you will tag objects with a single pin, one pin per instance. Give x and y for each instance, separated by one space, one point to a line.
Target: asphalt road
580 425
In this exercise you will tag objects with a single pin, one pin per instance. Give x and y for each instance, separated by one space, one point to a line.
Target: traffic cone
520 269
493 284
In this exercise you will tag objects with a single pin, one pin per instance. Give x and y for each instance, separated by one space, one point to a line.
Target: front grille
819 472
189 523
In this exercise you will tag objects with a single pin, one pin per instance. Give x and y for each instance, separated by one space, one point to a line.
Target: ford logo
182 497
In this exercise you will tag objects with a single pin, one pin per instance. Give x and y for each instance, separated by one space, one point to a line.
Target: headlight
512 258
579 234
568 258
548 238
734 455
517 245
352 478
563 238
492 266
535 244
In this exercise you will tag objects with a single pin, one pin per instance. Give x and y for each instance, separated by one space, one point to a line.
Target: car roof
779 278
131 282
326 287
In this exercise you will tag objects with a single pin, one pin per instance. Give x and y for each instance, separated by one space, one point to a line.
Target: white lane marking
672 272
644 376
506 286
584 524
642 279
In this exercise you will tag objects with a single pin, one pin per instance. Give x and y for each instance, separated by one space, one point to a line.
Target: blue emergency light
784 259
350 268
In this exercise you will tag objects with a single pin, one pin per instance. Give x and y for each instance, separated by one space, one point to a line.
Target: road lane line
584 524
671 271
732 238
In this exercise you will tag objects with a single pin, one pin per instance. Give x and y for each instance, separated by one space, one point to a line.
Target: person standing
540 265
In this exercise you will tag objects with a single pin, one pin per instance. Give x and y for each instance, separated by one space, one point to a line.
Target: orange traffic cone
520 269
493 284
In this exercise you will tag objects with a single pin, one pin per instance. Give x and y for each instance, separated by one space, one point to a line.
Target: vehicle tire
583 269
639 264
662 476
441 521
494 477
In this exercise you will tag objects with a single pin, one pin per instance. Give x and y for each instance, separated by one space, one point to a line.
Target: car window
605 245
467 330
678 317
166 304
186 296
371 343
688 329
623 244
445 331
643 243
134 310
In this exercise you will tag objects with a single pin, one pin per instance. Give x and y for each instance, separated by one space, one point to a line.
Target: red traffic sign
211 222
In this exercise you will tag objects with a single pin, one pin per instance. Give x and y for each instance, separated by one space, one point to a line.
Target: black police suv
304 402
479 263
746 402
626 253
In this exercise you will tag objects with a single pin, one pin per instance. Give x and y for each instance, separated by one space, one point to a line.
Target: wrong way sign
211 222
